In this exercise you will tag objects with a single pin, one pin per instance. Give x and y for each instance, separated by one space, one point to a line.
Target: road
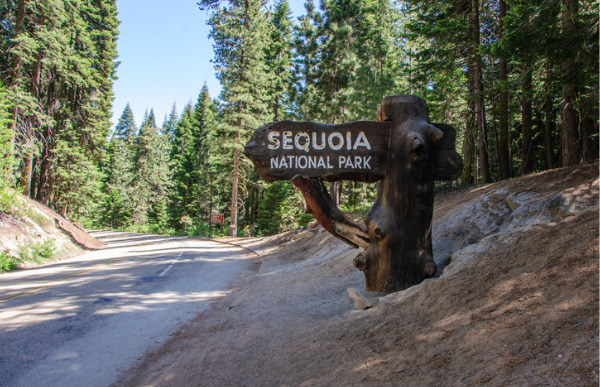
82 321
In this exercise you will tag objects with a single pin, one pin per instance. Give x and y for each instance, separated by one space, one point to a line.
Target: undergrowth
32 252
7 261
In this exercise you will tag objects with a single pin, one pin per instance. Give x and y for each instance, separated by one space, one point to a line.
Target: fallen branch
321 205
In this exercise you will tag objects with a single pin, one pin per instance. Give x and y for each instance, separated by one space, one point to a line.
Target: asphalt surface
82 321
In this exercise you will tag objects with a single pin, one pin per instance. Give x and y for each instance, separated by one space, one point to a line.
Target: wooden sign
216 218
355 151
403 149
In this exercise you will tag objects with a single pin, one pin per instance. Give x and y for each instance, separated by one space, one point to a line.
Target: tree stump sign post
402 150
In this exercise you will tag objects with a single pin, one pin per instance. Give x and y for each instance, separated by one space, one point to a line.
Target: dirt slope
31 222
517 303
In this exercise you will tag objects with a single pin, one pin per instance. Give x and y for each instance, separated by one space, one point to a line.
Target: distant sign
352 151
216 218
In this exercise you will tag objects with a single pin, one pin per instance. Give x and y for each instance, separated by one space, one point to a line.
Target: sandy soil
517 303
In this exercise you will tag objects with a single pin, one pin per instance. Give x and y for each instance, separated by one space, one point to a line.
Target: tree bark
234 184
25 179
469 147
571 153
399 222
548 121
503 144
526 121
476 80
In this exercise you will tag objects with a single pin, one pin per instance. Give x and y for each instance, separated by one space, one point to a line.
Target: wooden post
399 222
403 150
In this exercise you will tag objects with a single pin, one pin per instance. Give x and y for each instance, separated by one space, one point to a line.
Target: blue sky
164 55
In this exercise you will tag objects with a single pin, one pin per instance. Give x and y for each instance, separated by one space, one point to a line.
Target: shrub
7 261
37 252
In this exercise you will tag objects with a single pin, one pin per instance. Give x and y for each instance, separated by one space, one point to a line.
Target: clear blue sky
164 55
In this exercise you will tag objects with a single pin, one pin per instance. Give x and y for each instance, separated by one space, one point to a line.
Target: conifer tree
58 58
151 178
279 59
182 160
7 158
303 94
338 60
126 128
380 59
202 175
170 122
241 34
119 169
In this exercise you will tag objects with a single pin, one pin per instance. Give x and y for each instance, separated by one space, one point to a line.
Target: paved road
82 321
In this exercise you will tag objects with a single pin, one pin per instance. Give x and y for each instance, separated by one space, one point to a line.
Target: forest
518 79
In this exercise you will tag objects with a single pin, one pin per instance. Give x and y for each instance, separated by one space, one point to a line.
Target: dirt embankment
30 222
517 303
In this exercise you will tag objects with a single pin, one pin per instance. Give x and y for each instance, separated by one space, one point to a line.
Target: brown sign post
402 149
216 218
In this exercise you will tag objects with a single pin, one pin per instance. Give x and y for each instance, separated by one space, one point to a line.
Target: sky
165 56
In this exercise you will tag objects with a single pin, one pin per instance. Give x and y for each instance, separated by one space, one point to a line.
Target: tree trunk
570 121
548 121
399 223
503 145
234 183
25 179
210 223
336 192
475 73
469 146
41 195
526 120
590 141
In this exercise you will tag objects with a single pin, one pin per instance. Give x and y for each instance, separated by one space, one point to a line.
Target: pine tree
182 160
279 59
338 60
170 122
240 33
271 208
475 80
303 95
151 178
7 159
204 122
59 59
379 56
126 128
119 169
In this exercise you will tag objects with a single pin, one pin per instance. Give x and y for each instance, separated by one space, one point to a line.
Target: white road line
171 264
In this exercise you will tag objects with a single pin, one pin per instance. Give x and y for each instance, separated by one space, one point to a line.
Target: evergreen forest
518 79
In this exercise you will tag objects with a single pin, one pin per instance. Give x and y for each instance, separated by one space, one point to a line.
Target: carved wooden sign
403 150
354 151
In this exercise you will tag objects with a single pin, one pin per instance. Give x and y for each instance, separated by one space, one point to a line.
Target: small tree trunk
548 121
526 121
25 179
234 188
503 152
469 146
570 121
475 73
